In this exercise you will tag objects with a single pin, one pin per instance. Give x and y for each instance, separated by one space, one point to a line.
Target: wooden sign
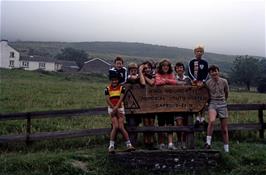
171 98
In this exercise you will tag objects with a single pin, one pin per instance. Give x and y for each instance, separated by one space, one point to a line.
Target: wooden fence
29 116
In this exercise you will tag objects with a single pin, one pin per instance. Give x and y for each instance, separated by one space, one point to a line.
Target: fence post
260 115
28 129
190 135
132 123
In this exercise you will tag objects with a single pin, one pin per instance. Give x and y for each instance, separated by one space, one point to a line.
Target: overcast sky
223 26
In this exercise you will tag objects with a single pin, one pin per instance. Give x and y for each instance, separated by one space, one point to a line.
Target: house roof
94 59
67 63
3 41
37 59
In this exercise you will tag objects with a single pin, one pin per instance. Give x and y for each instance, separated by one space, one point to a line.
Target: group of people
150 74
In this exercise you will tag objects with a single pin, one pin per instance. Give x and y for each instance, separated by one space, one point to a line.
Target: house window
25 64
11 63
12 55
42 65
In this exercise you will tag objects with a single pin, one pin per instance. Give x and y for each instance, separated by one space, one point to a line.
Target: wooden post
260 115
190 135
28 130
132 123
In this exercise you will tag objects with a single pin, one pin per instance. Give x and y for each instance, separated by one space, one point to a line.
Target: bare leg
224 130
113 133
179 122
211 119
170 137
146 135
121 127
151 123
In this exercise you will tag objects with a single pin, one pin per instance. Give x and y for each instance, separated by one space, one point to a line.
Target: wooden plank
55 135
69 134
54 113
190 128
101 111
246 107
147 99
103 131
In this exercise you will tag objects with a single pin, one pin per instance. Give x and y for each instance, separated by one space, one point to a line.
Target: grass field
22 91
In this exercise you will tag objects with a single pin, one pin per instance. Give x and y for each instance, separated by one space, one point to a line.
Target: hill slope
130 51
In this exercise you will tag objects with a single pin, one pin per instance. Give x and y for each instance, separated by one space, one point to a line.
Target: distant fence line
29 137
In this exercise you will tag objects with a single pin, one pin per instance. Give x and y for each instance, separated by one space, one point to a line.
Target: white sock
128 143
226 148
202 119
208 140
198 118
170 144
112 143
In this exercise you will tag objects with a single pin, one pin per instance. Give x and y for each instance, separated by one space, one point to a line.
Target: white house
39 62
9 57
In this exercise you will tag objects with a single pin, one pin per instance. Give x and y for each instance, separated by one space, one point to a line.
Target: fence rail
29 137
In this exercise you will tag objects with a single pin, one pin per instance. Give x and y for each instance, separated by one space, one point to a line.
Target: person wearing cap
198 73
165 76
133 120
133 76
114 93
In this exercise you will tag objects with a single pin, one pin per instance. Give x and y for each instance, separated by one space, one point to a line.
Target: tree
80 56
245 70
262 76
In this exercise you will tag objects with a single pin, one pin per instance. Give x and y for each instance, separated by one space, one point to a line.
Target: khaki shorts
220 107
120 110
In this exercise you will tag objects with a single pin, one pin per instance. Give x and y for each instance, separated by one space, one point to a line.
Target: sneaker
171 147
178 145
197 124
111 149
183 146
130 148
207 146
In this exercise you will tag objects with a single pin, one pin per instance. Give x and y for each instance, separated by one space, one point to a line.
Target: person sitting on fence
218 90
147 77
165 76
133 120
198 73
118 66
114 95
181 118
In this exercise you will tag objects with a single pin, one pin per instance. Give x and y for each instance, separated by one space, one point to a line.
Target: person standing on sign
198 73
114 93
165 76
218 90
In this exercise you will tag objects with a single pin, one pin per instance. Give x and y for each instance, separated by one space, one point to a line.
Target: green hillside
130 51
